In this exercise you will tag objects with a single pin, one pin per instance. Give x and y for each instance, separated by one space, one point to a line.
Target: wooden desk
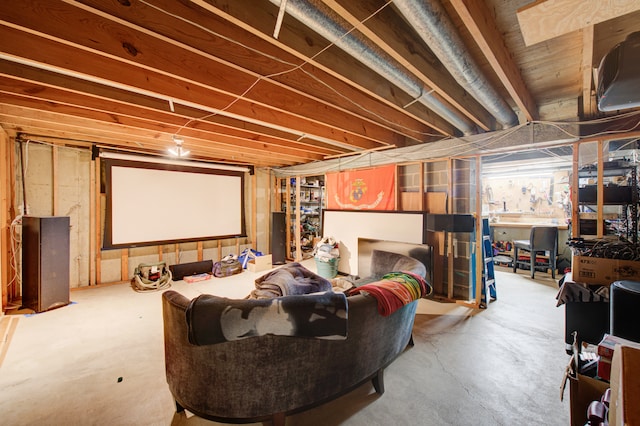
510 231
526 225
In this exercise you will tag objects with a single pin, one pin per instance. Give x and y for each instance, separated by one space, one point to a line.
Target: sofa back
250 379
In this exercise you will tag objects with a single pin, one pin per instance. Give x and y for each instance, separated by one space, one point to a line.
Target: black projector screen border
154 203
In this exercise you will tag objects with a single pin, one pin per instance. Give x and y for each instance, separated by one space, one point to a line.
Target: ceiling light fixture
178 151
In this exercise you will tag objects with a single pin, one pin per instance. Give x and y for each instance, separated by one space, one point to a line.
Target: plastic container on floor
328 269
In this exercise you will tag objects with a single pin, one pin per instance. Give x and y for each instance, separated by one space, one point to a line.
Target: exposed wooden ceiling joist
482 27
131 74
545 19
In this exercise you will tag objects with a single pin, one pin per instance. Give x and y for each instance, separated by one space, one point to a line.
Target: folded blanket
290 279
395 290
212 319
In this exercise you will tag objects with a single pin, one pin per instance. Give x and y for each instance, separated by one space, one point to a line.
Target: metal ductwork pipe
432 23
330 26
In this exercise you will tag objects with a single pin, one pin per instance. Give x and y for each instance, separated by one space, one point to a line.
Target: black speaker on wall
45 262
278 238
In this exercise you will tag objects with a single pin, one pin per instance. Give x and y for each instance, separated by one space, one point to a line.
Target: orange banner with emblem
370 189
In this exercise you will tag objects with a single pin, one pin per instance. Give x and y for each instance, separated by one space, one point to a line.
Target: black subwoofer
625 309
278 238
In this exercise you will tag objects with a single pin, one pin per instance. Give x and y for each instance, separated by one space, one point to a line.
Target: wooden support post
287 194
14 291
200 247
5 220
448 236
177 252
98 222
237 246
92 223
254 211
124 265
479 253
575 181
421 189
600 188
397 203
54 181
160 253
219 250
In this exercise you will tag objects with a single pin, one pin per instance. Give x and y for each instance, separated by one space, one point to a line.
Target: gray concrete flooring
100 361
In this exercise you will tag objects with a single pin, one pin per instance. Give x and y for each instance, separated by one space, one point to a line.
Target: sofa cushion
212 319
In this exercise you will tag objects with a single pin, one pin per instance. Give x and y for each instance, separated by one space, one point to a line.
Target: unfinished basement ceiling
240 86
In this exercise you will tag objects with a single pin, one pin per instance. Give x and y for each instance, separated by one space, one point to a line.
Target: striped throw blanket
395 290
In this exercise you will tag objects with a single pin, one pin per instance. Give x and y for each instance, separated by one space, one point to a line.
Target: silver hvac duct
434 26
328 24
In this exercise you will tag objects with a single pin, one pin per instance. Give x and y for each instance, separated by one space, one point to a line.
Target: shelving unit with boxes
303 201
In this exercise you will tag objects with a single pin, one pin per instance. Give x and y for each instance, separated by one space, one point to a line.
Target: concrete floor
100 361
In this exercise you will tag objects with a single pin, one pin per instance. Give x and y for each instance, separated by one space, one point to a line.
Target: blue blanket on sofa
289 280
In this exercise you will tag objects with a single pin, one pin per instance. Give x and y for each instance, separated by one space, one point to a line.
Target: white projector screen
347 226
155 203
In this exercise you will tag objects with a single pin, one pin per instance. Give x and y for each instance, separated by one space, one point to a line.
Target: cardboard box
608 343
595 270
260 263
582 391
624 408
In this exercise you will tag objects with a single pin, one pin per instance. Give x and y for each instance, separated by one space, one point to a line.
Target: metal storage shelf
625 222
311 196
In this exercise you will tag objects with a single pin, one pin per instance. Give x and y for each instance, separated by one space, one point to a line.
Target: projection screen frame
108 163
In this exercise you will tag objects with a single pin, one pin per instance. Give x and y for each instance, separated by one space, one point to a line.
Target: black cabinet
45 262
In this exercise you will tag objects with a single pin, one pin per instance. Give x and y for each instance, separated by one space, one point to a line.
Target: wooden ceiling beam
211 34
67 59
589 108
160 132
173 122
478 19
299 42
234 127
546 19
94 32
77 139
39 122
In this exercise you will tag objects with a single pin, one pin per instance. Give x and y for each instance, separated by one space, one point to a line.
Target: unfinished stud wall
263 202
58 181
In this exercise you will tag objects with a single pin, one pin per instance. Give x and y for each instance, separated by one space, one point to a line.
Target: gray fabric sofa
270 376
